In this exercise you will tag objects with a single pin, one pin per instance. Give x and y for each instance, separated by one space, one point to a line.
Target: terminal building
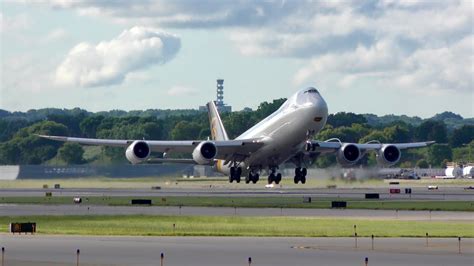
221 106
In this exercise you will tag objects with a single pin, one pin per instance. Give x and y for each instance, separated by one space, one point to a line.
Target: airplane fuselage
285 132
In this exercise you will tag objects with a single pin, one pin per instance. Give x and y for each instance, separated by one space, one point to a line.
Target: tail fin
217 128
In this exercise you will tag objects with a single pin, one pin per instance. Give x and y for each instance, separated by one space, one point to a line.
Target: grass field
254 202
238 226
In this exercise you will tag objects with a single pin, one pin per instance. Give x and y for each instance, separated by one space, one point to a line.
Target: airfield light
459 244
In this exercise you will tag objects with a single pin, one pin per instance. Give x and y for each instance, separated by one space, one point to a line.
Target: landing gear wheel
278 179
235 174
255 178
300 175
232 174
238 171
271 178
297 171
248 178
297 175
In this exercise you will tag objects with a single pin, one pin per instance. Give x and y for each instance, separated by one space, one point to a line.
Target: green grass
139 225
254 202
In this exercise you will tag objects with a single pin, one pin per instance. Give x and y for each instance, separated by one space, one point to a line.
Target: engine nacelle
388 155
137 152
348 155
205 152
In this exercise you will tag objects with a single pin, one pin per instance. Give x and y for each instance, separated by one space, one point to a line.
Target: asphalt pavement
39 250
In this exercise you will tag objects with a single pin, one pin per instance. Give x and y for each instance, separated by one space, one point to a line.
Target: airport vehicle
284 136
409 174
432 187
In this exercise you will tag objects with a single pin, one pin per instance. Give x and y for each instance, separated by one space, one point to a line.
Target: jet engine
205 152
388 155
348 154
137 152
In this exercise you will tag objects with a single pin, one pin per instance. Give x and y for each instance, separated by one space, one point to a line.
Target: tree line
19 144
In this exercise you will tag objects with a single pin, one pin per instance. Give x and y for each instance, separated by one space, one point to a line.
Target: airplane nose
319 105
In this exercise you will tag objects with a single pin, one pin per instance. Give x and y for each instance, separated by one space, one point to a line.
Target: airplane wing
333 146
387 154
225 148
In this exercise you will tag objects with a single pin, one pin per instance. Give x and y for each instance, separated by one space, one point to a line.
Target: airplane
284 136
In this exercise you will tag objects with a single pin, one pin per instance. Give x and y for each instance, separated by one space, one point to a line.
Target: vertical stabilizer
217 128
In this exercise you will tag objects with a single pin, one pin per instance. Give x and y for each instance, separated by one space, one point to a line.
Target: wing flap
87 141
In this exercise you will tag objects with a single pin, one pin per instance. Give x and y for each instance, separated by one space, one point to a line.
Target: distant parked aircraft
284 136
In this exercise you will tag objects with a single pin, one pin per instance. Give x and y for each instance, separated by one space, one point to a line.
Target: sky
382 57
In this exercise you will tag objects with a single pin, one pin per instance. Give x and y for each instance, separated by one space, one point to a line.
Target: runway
206 251
418 193
37 209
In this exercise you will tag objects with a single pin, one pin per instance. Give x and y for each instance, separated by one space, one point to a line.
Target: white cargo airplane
284 136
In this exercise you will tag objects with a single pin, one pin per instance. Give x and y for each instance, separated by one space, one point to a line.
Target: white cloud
109 62
437 70
429 71
185 13
404 43
180 90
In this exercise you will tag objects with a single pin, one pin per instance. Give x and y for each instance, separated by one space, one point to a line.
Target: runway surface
36 209
419 193
206 251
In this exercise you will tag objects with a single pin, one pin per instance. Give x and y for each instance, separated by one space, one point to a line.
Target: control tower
220 93
221 106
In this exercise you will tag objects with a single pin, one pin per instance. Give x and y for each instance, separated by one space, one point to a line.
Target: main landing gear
252 177
274 177
235 173
300 175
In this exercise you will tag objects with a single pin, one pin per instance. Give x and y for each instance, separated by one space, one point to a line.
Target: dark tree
343 119
90 124
432 130
462 135
438 153
71 153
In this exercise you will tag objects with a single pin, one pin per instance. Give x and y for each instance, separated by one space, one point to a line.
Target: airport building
221 106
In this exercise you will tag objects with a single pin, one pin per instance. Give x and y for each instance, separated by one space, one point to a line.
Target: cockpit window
311 90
